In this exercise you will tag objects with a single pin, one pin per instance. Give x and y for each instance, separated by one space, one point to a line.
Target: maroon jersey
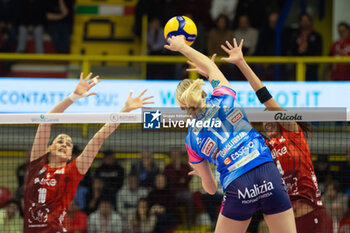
291 155
48 194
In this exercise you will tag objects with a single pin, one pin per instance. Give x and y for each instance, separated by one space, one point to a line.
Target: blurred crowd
148 196
256 23
216 20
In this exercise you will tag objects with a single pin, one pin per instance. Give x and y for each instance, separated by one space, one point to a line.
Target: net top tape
253 116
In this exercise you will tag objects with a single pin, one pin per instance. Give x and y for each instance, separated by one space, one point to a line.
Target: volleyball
181 25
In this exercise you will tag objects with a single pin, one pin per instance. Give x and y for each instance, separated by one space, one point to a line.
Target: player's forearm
62 106
250 75
202 61
209 186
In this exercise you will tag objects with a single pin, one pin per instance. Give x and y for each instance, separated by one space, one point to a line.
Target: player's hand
234 52
198 70
135 103
85 85
176 43
194 172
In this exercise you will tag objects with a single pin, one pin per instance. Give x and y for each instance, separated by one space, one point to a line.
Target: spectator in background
249 34
218 35
10 220
145 169
93 198
334 195
162 203
31 17
307 42
76 219
83 190
267 35
112 175
344 225
266 46
155 46
179 182
341 48
227 7
105 220
8 23
128 197
59 15
142 221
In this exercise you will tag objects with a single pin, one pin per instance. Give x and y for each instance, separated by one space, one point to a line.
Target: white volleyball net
139 176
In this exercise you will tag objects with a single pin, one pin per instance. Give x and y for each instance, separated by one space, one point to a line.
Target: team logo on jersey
151 120
235 116
275 153
199 141
227 161
282 139
42 170
60 171
208 146
43 181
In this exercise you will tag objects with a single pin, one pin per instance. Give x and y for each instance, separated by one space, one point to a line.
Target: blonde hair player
248 175
291 154
52 180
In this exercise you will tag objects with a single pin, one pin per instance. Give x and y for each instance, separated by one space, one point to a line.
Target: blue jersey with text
232 145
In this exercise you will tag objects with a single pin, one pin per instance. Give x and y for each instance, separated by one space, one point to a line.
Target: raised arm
236 57
215 77
86 158
42 136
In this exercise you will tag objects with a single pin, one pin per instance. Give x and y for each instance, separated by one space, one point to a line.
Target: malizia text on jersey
210 123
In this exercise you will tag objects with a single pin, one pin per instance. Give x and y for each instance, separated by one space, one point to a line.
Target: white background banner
27 95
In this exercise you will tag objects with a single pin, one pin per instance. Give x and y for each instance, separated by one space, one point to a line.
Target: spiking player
250 179
52 180
292 156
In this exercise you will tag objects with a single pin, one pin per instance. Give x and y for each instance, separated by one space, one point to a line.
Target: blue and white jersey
234 147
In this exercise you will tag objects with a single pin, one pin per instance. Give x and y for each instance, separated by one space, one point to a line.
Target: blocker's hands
85 85
138 102
234 52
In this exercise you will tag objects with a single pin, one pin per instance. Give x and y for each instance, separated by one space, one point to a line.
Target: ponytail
189 96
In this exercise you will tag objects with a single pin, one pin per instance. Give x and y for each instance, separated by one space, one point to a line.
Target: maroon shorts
317 221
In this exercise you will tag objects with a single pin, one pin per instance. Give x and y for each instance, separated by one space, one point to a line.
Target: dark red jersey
291 155
48 194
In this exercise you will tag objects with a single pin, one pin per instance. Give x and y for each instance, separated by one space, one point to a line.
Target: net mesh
139 180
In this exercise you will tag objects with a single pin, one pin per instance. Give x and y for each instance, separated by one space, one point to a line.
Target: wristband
74 97
263 95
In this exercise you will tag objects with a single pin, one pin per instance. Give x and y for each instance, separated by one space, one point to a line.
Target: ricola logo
256 190
286 117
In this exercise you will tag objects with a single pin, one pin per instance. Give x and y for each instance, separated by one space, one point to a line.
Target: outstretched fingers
142 93
147 98
225 49
241 43
229 45
213 57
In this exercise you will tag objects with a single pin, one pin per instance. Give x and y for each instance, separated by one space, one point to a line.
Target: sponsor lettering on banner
287 117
